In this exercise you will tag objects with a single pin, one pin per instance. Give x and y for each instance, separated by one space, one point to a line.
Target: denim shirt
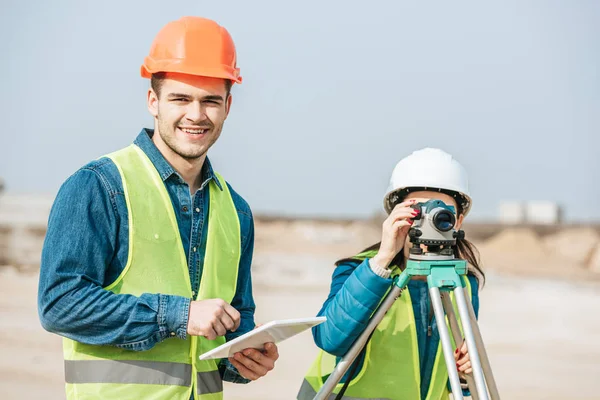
86 249
355 294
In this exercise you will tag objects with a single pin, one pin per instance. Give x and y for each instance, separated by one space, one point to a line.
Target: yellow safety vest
157 264
390 370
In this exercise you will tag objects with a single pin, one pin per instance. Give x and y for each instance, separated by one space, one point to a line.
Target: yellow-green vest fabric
390 370
157 264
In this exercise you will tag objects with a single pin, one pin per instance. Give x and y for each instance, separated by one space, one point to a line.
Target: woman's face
423 196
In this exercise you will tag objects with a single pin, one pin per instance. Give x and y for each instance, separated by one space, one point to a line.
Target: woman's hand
463 361
394 231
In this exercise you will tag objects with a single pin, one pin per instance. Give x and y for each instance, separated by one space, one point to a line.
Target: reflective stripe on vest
157 263
140 372
382 375
209 382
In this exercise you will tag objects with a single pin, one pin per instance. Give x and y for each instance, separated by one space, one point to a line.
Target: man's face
189 114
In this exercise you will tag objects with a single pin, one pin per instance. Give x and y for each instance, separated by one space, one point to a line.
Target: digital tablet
274 331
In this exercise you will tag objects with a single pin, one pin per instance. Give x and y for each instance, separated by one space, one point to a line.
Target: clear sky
334 94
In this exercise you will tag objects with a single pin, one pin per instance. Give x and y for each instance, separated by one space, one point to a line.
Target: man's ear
152 102
228 104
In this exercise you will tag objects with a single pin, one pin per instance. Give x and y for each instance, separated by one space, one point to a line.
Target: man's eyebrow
174 95
215 97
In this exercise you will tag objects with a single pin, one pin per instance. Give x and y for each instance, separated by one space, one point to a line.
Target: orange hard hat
194 46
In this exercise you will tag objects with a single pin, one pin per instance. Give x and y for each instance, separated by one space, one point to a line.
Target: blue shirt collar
165 170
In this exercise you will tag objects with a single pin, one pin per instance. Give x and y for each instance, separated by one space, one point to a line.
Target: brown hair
157 79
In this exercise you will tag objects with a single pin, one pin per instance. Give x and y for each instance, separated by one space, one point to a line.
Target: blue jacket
355 294
86 248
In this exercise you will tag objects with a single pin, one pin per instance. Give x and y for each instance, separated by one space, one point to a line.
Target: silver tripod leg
457 337
465 319
350 356
485 361
440 319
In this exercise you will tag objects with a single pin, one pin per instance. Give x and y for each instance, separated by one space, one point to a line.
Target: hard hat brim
179 66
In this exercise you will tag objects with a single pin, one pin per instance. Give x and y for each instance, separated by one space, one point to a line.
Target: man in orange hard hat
146 263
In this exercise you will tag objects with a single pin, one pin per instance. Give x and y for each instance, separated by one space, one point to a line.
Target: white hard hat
428 169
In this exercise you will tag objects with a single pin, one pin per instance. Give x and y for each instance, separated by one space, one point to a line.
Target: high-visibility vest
157 264
390 369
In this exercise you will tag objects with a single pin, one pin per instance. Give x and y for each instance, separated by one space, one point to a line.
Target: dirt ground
541 335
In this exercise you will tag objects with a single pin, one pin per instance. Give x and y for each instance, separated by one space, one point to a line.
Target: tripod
444 274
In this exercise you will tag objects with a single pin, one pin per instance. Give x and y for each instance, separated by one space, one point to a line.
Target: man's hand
212 318
253 364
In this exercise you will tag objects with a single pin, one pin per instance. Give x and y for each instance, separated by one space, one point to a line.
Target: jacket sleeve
80 243
355 293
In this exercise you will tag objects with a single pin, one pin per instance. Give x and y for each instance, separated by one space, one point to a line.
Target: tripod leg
436 301
354 351
454 327
461 302
485 362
